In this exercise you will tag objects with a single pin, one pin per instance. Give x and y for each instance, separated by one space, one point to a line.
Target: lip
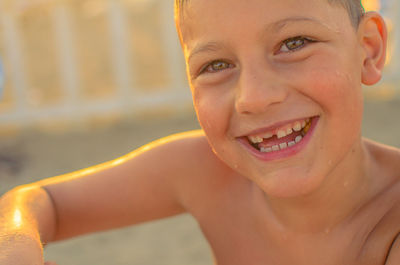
281 154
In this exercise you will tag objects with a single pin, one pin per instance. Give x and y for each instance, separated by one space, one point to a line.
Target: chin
289 185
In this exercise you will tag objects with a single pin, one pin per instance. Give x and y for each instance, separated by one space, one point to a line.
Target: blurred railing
76 59
391 11
70 60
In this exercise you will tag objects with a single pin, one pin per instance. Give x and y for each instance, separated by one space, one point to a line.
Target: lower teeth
281 146
286 145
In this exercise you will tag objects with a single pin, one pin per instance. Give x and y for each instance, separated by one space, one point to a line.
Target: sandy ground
33 155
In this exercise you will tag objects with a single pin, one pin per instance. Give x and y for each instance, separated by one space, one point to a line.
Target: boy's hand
19 249
25 218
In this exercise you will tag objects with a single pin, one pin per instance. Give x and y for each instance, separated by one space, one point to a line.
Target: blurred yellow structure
75 60
389 87
371 5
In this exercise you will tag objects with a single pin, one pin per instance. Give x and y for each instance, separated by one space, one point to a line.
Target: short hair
354 8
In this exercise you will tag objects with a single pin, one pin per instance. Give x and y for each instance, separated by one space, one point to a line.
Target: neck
344 190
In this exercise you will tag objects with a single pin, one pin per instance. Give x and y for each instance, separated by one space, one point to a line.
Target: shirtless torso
236 221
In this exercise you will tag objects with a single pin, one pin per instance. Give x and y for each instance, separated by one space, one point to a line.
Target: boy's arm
141 186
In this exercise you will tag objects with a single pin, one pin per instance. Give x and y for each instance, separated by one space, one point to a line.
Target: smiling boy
279 174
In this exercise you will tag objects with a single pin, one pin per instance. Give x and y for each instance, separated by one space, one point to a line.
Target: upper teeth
297 126
256 139
280 133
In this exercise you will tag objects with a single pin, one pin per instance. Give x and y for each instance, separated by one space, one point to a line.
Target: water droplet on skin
209 125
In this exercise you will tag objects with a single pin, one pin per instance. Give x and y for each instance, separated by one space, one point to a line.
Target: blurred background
86 81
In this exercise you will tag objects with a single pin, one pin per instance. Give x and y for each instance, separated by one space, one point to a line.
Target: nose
258 88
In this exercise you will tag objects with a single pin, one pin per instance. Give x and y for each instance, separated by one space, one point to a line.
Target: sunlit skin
245 77
253 66
267 86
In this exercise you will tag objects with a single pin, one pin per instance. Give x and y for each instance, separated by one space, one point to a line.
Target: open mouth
281 138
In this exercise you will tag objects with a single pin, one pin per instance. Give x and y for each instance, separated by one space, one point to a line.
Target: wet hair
354 8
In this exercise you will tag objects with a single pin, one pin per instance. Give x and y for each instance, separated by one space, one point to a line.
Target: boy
278 175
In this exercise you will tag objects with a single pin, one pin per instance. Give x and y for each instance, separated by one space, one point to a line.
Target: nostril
251 100
254 106
250 105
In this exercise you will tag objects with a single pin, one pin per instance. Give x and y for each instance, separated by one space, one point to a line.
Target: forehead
204 18
186 5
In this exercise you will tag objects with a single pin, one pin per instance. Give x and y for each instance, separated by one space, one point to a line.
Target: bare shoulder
393 225
201 172
385 163
189 149
388 160
387 157
183 142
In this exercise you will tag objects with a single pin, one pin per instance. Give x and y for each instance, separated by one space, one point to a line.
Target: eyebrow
276 26
211 46
280 24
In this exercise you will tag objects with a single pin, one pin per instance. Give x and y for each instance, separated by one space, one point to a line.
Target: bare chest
238 237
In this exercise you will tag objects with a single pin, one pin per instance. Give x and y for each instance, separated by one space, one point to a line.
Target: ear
372 34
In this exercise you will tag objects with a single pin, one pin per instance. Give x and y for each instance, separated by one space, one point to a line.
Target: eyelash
305 39
283 43
204 68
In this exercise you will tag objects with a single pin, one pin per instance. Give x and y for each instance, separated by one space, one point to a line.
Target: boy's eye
215 66
295 43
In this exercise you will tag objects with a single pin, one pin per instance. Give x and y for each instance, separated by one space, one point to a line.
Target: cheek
211 111
336 89
340 96
214 112
207 117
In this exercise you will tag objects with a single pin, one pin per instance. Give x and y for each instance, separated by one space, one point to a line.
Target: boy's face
263 67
